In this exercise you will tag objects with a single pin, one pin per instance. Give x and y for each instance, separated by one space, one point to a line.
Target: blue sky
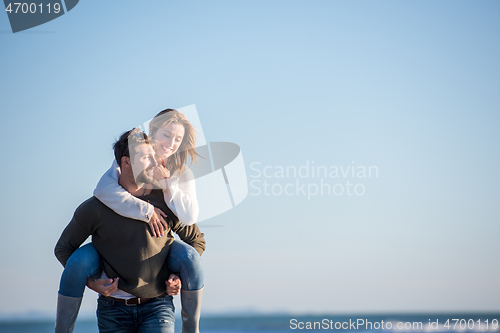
410 87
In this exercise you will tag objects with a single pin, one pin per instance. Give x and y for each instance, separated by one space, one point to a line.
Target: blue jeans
85 262
155 316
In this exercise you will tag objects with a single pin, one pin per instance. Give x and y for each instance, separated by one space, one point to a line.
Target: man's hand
157 223
104 287
173 285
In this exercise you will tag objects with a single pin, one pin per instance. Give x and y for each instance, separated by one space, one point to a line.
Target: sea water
432 323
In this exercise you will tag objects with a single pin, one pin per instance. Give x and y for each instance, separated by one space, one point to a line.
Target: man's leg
157 316
115 317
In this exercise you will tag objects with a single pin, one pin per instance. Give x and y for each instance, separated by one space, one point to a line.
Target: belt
132 301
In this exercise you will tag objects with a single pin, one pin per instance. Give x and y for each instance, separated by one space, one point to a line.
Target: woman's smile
168 139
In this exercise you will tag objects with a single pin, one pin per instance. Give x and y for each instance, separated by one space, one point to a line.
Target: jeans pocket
101 302
113 317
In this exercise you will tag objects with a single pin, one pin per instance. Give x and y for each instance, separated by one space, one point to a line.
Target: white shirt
181 200
118 293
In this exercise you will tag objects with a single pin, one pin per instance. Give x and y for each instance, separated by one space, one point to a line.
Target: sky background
411 87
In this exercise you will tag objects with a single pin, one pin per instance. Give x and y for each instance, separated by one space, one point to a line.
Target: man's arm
105 287
173 285
71 238
191 235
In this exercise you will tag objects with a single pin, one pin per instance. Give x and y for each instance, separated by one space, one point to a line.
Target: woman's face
168 140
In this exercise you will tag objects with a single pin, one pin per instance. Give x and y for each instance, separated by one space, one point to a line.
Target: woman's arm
180 196
110 193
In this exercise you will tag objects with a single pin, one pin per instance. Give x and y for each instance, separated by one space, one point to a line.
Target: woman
173 139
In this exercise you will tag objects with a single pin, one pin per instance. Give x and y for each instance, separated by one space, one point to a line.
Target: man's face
143 164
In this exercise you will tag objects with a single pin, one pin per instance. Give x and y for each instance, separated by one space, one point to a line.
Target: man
132 258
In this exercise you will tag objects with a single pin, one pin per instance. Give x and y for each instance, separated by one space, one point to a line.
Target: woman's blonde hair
177 161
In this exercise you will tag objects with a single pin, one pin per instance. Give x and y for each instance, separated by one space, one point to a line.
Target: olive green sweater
128 249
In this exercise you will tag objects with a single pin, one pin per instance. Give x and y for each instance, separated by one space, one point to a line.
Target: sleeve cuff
149 212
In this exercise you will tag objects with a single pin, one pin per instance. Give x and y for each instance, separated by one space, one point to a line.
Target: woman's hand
173 285
161 172
157 223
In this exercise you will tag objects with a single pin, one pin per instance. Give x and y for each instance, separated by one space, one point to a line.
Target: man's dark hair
127 140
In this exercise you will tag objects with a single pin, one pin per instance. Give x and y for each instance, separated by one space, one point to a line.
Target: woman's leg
84 262
185 260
